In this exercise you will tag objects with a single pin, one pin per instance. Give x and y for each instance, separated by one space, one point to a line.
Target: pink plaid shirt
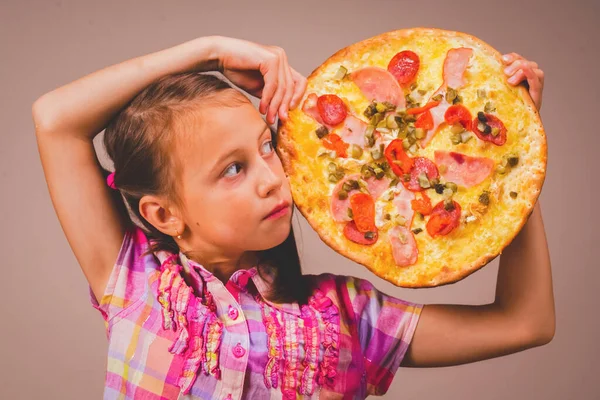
171 338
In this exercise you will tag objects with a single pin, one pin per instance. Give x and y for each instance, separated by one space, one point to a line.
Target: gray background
52 343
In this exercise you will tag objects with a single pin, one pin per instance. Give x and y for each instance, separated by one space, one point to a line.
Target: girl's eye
269 147
233 170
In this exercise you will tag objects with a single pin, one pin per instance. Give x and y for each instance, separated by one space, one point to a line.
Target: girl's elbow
543 332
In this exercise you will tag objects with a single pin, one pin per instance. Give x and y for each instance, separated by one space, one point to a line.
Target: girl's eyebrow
226 155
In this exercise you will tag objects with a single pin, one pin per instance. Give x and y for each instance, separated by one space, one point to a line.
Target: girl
206 299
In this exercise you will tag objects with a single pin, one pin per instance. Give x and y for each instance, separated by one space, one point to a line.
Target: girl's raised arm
67 119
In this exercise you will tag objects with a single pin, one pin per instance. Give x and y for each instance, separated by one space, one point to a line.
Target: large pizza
413 156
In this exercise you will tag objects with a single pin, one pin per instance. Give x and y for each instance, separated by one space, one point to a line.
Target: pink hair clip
110 180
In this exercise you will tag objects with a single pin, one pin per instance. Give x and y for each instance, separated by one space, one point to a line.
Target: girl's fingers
513 67
517 77
279 92
299 88
510 57
269 72
289 91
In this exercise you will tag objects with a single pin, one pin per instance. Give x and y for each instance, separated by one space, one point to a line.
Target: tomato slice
493 122
422 205
404 66
458 114
442 221
425 121
395 152
332 109
334 142
363 212
419 110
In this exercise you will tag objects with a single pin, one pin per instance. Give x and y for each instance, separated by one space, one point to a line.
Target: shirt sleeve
385 328
128 281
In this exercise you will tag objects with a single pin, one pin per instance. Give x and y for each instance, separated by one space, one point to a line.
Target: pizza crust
444 259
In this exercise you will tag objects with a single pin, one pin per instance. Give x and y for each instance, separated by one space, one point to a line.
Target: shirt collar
263 281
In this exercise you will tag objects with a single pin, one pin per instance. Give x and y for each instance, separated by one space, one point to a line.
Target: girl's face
232 182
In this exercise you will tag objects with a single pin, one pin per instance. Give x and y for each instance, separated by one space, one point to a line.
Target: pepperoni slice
395 152
493 122
422 205
331 109
419 110
421 164
404 66
334 142
442 221
363 212
425 121
458 114
353 234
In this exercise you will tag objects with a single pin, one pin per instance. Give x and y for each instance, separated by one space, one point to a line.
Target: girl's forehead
218 130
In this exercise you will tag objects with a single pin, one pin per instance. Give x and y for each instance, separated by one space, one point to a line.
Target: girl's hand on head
264 72
518 69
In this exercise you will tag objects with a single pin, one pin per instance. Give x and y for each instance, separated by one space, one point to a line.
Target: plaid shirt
171 338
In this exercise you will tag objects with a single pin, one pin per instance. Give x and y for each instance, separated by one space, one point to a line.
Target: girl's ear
158 212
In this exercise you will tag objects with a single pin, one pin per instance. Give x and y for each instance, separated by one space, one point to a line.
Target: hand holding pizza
262 71
519 69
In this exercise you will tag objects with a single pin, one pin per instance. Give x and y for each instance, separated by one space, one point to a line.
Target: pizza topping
455 65
339 207
379 85
437 116
489 128
310 108
404 246
341 73
423 171
335 143
403 204
443 218
335 173
484 198
513 195
353 130
322 131
419 110
425 121
489 107
353 234
462 169
363 211
422 205
458 114
404 66
356 151
377 186
398 160
332 109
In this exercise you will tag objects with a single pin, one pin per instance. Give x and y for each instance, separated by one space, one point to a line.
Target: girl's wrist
209 52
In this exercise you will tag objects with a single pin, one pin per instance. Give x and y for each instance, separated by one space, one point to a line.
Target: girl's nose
268 180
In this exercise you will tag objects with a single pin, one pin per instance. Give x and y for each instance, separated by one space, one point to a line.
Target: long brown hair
140 139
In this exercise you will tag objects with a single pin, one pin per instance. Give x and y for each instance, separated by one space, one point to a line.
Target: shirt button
238 350
233 313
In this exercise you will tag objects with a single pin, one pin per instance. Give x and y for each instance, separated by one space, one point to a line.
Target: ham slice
455 65
339 208
353 131
462 169
310 107
402 201
377 186
404 246
379 85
